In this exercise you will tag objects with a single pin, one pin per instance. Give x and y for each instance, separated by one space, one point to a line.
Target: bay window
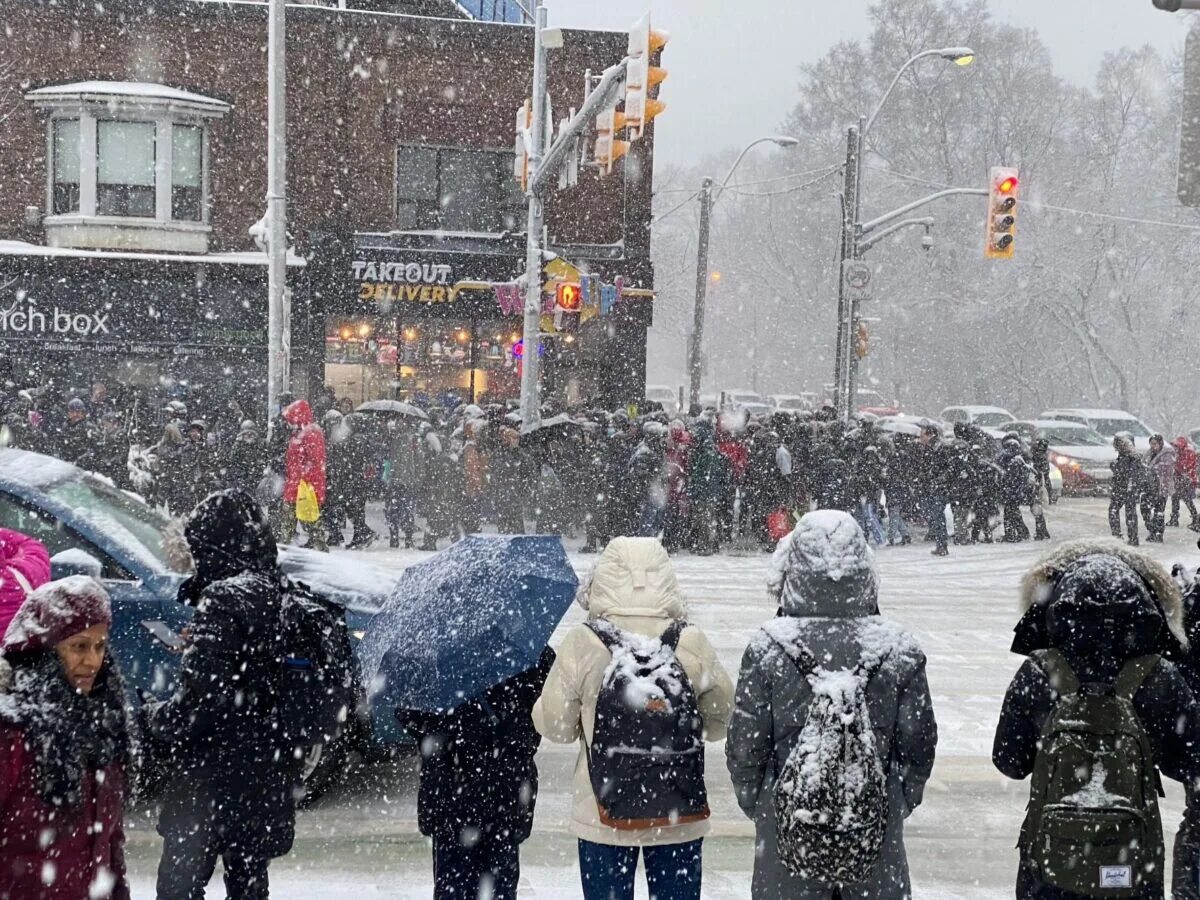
125 177
66 167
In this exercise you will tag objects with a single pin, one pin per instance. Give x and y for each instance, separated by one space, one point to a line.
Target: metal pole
852 337
278 313
849 208
530 399
696 361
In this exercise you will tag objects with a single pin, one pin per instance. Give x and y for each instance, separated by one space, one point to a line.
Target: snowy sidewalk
362 843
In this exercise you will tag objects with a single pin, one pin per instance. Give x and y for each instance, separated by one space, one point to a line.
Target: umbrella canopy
467 619
392 408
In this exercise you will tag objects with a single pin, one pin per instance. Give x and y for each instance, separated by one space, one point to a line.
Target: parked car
664 394
912 425
91 527
737 397
983 416
873 402
806 401
1083 455
1107 422
1194 436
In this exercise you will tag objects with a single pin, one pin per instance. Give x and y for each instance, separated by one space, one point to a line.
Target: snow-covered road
362 842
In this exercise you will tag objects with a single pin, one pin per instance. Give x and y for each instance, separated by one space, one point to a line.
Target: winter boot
393 538
940 551
1195 526
362 539
1042 533
408 540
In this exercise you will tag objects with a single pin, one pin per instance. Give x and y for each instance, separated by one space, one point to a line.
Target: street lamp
845 362
707 198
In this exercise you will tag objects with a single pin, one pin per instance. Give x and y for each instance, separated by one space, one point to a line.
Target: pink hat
56 611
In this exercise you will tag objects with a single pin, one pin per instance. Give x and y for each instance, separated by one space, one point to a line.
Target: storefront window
187 183
456 190
66 166
125 184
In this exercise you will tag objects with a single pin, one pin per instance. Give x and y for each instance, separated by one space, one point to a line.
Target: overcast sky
752 48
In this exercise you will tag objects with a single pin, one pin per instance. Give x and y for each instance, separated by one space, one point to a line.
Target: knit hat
56 611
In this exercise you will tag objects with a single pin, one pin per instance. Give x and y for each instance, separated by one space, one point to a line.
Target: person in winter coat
823 576
900 487
1126 488
932 467
633 588
1186 479
229 792
1016 481
24 566
65 749
244 464
1185 880
76 436
708 481
303 461
1098 605
479 786
646 479
350 471
677 523
1159 487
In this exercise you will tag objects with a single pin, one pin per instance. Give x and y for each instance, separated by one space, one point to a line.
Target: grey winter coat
827 589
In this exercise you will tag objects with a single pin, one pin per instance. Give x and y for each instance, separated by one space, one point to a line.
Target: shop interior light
570 339
410 334
364 330
463 335
514 337
345 332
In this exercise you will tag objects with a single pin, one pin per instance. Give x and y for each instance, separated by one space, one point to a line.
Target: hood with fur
1068 592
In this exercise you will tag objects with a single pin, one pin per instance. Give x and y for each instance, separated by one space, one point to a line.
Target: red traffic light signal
568 296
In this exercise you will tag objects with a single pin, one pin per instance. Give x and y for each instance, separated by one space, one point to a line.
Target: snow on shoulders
879 639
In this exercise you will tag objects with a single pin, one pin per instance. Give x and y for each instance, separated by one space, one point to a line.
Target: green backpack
1093 826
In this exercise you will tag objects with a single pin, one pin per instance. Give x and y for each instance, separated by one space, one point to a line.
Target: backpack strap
608 633
1062 678
802 658
670 637
1132 674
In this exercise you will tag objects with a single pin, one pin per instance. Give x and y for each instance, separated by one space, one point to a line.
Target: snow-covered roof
250 258
145 92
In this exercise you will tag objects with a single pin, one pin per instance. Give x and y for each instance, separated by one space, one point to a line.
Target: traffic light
608 149
568 304
862 341
1003 192
521 162
641 77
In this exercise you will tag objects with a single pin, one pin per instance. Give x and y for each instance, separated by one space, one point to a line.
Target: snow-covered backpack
317 684
1093 828
831 803
646 757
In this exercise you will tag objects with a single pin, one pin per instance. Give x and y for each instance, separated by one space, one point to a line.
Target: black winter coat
219 728
1127 478
477 762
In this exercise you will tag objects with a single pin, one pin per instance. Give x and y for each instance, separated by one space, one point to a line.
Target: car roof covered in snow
33 469
1089 413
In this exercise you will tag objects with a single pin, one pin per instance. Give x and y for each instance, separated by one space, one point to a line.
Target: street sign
857 278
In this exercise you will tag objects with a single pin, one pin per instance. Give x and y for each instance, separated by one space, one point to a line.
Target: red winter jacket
37 840
305 457
1186 462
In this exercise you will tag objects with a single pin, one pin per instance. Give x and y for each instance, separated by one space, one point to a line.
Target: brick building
133 165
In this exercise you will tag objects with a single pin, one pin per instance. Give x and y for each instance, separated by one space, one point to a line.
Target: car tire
323 768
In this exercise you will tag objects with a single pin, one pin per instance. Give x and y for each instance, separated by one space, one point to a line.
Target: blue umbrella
465 620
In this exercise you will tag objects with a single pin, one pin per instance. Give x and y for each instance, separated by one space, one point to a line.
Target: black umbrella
393 408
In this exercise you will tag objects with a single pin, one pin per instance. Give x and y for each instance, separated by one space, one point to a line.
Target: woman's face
82 656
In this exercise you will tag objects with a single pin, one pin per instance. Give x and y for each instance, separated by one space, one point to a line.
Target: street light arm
868 227
864 246
781 140
944 52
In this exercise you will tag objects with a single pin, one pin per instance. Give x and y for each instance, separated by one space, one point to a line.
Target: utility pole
279 338
842 399
531 412
852 299
696 359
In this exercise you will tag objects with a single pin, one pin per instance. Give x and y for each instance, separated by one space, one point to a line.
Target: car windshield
140 530
745 398
993 420
1113 427
1074 437
791 403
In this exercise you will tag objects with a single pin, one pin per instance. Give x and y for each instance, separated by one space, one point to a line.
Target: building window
125 157
451 189
187 176
66 166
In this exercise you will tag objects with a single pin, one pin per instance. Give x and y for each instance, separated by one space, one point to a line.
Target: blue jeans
868 519
897 528
672 871
935 511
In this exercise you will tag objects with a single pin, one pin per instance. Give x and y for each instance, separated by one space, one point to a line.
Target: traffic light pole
842 397
531 409
278 302
696 359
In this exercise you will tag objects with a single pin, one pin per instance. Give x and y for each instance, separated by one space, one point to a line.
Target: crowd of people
702 482
829 730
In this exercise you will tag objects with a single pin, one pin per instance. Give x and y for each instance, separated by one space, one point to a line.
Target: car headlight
1065 462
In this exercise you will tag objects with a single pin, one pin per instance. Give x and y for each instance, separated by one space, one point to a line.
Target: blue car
91 527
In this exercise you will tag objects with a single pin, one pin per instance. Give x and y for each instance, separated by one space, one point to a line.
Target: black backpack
831 802
646 758
317 691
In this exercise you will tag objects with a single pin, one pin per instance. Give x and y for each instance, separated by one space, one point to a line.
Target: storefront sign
26 318
413 282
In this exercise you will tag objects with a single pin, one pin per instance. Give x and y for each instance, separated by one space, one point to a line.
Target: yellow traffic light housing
1003 194
862 341
607 149
521 160
641 77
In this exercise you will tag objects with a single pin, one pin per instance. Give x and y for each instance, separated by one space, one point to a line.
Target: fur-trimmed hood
1063 596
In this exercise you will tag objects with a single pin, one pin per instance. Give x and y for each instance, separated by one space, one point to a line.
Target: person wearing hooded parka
823 577
230 789
65 749
633 588
1097 605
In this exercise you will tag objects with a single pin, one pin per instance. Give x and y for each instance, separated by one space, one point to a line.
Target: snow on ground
363 842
